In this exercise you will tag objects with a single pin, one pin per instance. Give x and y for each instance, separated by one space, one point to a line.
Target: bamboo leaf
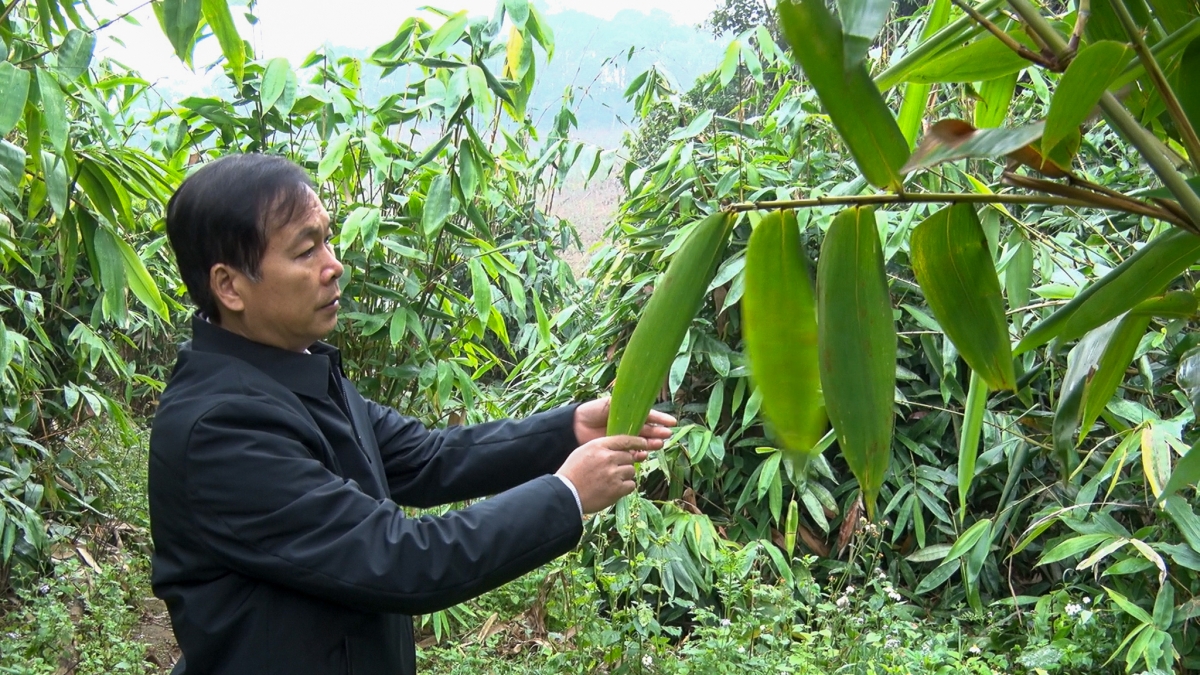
140 281
951 140
14 91
1187 86
1187 376
912 110
1156 458
448 34
780 325
995 97
332 158
1180 511
439 206
984 59
664 322
53 106
1142 275
1073 547
216 13
1018 277
75 54
1079 90
179 20
1110 370
954 268
274 81
1129 608
861 22
1081 364
968 442
851 98
967 540
857 344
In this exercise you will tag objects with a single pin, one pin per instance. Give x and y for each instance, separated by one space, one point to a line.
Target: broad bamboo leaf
1185 519
857 343
111 266
54 171
967 540
1140 276
1156 458
1174 14
216 13
1018 277
1187 86
75 54
53 107
439 206
1186 473
995 97
1172 305
332 159
851 98
140 281
179 20
274 81
14 91
1081 363
1079 90
968 442
912 110
984 59
664 322
1110 370
951 139
518 11
780 324
729 64
448 34
481 290
1074 546
861 22
952 263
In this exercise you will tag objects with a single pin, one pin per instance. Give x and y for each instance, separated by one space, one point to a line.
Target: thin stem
1114 203
1120 119
919 198
1186 132
1081 18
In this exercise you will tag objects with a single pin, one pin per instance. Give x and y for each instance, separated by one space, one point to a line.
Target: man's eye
308 251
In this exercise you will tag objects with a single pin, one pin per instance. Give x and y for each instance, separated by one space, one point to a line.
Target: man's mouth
332 304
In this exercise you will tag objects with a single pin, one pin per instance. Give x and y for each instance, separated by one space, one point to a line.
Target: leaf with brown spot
953 139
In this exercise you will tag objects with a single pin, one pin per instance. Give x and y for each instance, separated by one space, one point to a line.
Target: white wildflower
1087 600
975 649
894 596
891 644
849 590
741 650
725 623
647 661
1073 609
842 601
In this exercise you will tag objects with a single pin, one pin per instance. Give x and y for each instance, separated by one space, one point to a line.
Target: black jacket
279 542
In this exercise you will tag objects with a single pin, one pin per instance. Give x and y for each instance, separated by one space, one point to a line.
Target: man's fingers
626 443
661 418
652 431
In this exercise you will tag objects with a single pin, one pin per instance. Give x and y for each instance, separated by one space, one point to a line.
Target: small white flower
842 601
647 661
1087 600
849 590
725 623
1073 609
974 649
895 597
741 650
858 620
891 644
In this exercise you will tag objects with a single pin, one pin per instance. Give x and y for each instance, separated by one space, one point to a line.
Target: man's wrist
574 491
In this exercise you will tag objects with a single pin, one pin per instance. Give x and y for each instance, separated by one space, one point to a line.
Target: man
276 489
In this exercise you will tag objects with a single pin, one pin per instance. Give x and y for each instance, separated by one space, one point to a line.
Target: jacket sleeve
269 510
430 467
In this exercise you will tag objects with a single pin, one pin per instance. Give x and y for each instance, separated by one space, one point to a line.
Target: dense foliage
1024 508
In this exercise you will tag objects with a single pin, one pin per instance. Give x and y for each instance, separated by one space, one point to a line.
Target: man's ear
223 283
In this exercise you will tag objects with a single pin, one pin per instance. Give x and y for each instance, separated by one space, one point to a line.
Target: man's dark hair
224 212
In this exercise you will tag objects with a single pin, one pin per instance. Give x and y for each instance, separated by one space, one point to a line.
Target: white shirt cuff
574 493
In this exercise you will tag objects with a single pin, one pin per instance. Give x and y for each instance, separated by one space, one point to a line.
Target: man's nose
334 269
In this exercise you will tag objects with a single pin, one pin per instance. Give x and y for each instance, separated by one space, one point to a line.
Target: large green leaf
1080 89
857 342
851 98
664 322
1141 275
1185 473
447 34
1187 86
332 159
952 263
951 140
14 91
179 19
1081 363
1174 14
984 59
75 54
912 110
53 107
274 81
216 13
780 318
1110 370
140 281
861 22
995 97
439 205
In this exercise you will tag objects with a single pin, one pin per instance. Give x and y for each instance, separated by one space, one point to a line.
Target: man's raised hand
591 422
602 470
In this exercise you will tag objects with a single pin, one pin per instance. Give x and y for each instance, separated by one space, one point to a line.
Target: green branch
919 198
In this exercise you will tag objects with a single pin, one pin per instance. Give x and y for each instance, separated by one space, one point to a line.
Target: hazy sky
293 28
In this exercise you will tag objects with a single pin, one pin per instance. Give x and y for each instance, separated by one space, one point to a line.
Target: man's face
294 303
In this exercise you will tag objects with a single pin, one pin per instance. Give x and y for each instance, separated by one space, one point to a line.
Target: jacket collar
306 374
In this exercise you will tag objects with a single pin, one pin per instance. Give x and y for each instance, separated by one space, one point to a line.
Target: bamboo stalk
923 198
